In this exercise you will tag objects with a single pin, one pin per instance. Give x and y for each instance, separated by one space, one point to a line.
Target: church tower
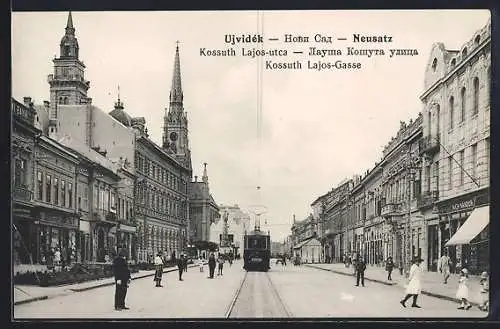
175 129
67 83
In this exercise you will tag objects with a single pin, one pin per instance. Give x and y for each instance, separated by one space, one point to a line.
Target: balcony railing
104 215
391 209
22 194
429 144
427 199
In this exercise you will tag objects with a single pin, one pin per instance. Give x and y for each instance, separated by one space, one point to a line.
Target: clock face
173 136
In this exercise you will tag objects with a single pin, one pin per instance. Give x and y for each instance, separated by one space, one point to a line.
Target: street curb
347 274
44 297
423 292
29 300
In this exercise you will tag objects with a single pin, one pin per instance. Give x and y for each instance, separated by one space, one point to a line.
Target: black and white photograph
250 164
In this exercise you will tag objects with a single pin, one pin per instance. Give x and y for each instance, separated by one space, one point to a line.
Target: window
63 193
475 108
477 39
474 159
428 178
20 173
95 196
450 172
70 195
438 113
453 62
464 53
436 175
56 190
112 201
462 104
434 64
48 188
39 186
452 110
461 167
429 123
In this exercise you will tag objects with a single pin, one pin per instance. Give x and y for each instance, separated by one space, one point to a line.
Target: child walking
463 290
485 288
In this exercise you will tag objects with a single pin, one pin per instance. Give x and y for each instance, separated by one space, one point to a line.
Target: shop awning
477 221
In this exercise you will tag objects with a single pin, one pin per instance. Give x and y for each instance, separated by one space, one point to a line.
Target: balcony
391 209
427 199
429 144
22 194
104 215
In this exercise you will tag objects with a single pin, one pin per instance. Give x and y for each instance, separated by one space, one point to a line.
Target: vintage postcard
251 164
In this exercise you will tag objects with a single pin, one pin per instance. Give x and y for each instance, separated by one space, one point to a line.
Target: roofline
165 154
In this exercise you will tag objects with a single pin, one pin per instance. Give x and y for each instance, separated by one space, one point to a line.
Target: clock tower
67 84
175 129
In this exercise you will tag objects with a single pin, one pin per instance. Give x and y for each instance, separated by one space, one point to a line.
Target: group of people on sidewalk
123 277
414 285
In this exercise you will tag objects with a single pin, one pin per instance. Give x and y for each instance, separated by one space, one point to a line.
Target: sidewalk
30 293
432 282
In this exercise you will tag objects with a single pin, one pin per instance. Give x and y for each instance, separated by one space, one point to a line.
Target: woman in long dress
414 286
463 290
159 270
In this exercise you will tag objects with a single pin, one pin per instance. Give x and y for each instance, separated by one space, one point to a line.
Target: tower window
464 53
434 65
477 39
67 51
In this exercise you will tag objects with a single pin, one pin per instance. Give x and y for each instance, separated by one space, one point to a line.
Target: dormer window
464 53
453 62
477 39
434 65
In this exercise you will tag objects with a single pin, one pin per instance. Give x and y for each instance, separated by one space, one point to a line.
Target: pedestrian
159 269
444 265
185 263
360 271
463 290
389 266
414 286
220 261
284 261
200 264
122 280
211 265
57 257
180 266
484 291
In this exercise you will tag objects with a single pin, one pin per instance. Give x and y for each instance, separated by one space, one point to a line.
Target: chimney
27 101
195 178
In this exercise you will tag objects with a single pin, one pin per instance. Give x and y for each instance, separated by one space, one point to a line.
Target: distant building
203 210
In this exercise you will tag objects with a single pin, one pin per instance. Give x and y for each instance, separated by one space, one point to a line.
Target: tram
257 251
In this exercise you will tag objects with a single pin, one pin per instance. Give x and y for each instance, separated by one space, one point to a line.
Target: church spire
69 24
69 44
176 91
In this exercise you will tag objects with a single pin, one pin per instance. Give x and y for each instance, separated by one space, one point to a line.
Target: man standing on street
389 266
444 266
211 265
185 263
180 266
122 280
360 271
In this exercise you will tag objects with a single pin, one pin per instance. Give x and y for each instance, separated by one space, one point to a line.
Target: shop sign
463 203
63 220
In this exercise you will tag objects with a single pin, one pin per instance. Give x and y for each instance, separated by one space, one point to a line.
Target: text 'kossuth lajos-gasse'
315 52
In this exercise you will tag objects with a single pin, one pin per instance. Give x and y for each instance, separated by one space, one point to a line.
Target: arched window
453 62
65 100
475 108
462 104
464 53
434 64
60 100
477 39
452 110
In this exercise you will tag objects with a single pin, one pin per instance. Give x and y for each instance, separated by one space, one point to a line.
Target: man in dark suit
122 280
211 265
360 272
180 266
185 263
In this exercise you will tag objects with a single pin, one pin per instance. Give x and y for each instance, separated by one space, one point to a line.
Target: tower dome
119 114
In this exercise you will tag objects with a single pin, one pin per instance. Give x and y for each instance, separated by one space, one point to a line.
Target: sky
311 129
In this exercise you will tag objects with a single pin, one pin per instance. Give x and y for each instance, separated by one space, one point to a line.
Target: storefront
471 253
56 230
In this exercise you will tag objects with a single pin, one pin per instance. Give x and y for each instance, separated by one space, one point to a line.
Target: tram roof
257 232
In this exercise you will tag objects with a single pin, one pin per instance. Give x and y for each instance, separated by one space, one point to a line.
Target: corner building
456 148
